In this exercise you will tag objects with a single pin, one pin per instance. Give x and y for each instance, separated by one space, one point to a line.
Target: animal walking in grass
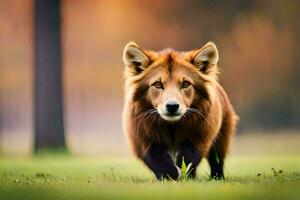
176 111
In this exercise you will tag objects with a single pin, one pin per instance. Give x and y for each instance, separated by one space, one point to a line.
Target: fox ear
206 59
134 58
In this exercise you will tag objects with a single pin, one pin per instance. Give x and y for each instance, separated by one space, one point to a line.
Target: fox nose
172 107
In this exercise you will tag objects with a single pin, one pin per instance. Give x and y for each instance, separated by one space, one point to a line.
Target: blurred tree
49 125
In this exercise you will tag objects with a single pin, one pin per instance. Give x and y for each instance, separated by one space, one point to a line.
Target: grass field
64 177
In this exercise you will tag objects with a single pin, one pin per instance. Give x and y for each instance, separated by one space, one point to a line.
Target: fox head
169 82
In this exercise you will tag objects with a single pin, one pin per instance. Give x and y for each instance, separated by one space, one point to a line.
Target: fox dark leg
161 163
216 163
190 155
218 150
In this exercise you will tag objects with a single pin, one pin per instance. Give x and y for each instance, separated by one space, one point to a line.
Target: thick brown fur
210 128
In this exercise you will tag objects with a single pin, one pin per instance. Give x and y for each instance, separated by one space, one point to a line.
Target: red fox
175 109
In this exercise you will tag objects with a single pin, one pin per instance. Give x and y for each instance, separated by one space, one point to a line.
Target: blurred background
258 42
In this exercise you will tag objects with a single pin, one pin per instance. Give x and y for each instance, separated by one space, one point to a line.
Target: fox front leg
160 162
189 154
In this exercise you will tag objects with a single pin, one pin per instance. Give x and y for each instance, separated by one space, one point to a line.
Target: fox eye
158 85
185 84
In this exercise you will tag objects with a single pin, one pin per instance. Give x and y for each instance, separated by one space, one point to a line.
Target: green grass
64 177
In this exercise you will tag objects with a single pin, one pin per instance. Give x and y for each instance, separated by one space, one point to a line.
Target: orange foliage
258 58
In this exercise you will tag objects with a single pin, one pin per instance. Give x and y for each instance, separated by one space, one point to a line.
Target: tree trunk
49 125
